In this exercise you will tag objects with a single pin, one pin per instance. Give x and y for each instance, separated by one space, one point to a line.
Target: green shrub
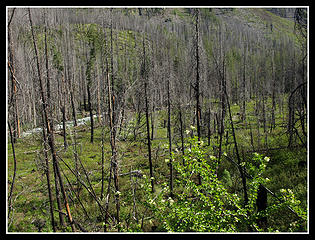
209 207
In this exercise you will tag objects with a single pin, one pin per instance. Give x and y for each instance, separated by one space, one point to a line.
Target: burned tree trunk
197 91
112 123
209 126
50 131
243 108
169 135
47 173
241 169
63 111
181 131
89 68
144 76
196 87
261 204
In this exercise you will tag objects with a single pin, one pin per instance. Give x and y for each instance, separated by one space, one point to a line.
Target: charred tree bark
273 107
152 121
112 122
181 131
292 121
47 173
196 87
14 171
243 115
144 75
148 136
50 131
89 68
169 136
209 127
241 170
221 132
49 113
197 90
113 128
261 204
110 113
63 111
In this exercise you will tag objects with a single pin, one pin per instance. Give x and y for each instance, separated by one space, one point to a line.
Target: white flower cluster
170 200
266 159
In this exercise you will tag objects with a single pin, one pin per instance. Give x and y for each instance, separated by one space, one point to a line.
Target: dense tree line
254 63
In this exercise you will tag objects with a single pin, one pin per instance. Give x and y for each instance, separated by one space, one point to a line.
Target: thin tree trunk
98 97
113 128
147 117
243 177
273 108
16 128
63 111
209 127
14 171
197 92
148 136
73 109
89 84
103 173
71 86
110 111
222 112
152 120
45 145
181 132
46 171
49 130
57 190
243 114
169 135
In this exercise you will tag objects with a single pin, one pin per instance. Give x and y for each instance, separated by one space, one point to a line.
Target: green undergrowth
287 169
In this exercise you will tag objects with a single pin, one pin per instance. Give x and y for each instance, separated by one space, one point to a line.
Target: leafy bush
209 207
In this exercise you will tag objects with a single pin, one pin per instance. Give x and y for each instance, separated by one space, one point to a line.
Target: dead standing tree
45 142
14 171
112 124
169 131
197 83
144 75
89 68
13 100
50 131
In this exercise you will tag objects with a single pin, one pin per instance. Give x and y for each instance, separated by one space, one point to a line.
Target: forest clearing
157 120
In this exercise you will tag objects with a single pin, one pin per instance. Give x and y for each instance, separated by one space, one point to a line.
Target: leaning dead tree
112 124
297 114
47 173
50 131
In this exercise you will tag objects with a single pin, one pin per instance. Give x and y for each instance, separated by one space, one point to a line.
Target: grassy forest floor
30 199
